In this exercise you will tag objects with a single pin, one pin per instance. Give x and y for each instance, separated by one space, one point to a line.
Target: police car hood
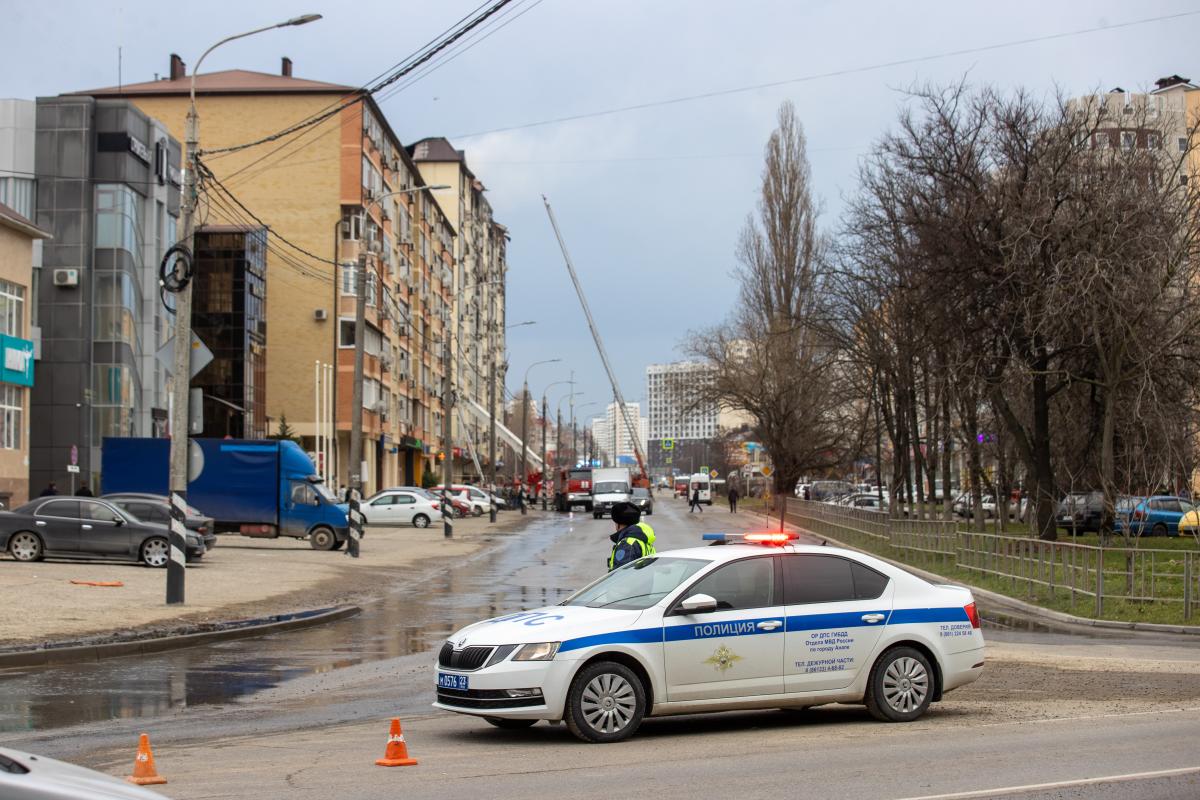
549 624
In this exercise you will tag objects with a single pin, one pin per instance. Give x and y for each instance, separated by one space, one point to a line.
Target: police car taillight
972 614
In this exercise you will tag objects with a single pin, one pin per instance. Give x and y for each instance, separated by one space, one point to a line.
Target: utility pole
182 361
447 452
356 402
543 482
492 434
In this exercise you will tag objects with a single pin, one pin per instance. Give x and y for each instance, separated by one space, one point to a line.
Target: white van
609 487
701 481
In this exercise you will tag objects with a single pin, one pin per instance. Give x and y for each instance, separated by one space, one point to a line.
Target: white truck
609 487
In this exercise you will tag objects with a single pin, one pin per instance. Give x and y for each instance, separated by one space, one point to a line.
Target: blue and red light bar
777 538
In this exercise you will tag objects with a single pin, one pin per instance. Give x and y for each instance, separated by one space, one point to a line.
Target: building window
118 217
116 310
1127 140
12 309
1183 144
12 405
18 194
1153 141
349 276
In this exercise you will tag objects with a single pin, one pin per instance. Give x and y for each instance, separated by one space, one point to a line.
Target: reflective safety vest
630 544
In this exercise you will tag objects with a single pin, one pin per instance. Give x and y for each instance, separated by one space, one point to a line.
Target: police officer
632 539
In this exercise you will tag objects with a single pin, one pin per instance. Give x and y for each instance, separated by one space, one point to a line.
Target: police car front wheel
606 703
901 685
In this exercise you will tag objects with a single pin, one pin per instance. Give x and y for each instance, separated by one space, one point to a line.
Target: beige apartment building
17 235
328 193
477 312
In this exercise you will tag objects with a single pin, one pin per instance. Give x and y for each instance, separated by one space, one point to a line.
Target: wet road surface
553 556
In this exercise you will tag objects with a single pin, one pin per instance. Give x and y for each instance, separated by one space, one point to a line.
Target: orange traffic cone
144 773
396 754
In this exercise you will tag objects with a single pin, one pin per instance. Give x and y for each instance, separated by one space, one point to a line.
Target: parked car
1152 516
157 508
1081 512
401 507
871 502
962 506
86 528
643 500
475 499
24 776
828 491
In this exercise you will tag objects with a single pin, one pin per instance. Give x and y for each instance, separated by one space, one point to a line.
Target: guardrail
1083 574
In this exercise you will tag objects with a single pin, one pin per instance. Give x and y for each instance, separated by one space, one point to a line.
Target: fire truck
573 487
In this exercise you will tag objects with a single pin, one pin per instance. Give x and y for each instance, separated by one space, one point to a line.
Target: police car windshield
637 585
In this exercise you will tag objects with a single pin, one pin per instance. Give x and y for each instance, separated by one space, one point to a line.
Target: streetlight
546 413
558 459
178 476
525 416
574 432
360 336
492 412
448 405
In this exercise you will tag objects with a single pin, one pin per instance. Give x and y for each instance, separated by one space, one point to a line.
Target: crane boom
612 377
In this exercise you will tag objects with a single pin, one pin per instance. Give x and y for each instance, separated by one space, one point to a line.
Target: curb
1029 609
74 654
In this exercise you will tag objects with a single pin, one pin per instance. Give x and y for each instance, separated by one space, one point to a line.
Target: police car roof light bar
769 537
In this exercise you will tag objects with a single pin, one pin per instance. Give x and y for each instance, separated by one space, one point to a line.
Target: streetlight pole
356 402
448 341
503 368
545 414
558 448
525 417
178 475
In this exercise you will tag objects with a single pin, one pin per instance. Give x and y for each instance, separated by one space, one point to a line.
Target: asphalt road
1055 715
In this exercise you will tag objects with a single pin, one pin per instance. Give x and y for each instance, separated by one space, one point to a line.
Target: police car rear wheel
510 724
606 703
901 686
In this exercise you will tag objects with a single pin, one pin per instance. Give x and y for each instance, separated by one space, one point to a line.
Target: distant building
17 236
610 435
673 408
108 190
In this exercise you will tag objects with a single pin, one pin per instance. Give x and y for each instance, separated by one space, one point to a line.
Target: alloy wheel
905 684
156 552
25 546
608 703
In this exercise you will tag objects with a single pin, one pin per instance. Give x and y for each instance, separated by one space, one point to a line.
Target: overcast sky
651 201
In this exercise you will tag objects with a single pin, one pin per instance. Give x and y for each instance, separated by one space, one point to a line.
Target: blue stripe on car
749 627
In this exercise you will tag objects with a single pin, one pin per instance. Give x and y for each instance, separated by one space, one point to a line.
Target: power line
395 76
823 75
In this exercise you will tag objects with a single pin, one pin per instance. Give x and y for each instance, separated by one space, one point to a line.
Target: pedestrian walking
733 498
695 502
521 499
50 490
84 491
632 539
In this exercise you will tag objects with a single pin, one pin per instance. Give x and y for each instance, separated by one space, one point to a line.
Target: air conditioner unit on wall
66 277
320 314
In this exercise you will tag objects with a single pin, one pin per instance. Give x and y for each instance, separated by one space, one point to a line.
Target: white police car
758 623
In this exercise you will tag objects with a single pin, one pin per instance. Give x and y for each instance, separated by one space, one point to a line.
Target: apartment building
477 312
340 189
610 434
673 410
17 237
1160 119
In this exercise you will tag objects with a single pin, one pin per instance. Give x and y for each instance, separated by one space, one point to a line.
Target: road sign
747 470
668 444
74 455
713 474
767 470
704 469
73 468
201 356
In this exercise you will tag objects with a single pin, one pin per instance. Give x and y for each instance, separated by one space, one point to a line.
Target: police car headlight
542 651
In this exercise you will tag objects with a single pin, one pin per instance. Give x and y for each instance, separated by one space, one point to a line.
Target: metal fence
1087 576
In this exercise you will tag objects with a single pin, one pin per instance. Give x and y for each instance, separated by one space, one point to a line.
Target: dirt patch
239 578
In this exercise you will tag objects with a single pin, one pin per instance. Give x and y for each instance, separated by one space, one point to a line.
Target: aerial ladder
643 479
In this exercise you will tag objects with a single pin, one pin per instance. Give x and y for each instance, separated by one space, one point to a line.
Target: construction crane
644 478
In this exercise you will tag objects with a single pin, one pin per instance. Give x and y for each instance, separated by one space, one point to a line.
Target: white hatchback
401 507
759 623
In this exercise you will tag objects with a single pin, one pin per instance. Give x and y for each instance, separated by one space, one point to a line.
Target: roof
230 81
435 148
10 218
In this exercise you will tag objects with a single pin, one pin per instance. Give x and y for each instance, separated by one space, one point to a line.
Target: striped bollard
177 540
447 517
356 527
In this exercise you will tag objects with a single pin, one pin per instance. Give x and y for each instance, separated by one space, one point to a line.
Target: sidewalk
240 578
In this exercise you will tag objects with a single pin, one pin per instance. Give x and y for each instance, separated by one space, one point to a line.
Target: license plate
459 682
577 507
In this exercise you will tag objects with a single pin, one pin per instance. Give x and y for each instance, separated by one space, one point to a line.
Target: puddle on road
415 618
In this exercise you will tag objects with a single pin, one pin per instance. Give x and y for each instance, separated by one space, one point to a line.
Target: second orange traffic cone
144 773
396 754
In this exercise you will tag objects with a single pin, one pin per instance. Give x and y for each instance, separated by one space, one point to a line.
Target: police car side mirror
698 604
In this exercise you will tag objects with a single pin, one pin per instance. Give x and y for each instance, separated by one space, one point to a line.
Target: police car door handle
769 625
872 618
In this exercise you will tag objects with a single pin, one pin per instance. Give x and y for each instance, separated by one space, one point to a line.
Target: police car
761 622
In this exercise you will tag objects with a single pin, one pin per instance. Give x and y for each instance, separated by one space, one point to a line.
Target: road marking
1037 787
